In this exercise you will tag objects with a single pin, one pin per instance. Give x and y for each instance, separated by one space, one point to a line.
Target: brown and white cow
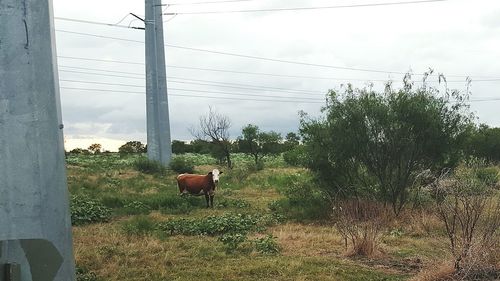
199 185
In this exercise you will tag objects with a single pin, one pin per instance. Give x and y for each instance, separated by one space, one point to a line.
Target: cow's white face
215 175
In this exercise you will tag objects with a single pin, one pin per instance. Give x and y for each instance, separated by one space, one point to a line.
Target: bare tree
214 127
470 211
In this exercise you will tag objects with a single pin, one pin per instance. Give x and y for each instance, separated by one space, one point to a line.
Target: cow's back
191 183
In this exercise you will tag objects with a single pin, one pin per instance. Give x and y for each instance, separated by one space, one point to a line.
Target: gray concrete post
158 123
35 226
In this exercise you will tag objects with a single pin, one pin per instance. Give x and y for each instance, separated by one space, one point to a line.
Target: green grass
154 234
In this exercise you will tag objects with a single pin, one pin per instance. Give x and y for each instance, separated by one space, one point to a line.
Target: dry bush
361 223
470 212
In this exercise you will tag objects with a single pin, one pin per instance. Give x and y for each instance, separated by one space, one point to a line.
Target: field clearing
130 246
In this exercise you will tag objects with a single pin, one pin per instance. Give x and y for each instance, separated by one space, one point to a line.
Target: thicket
374 145
85 210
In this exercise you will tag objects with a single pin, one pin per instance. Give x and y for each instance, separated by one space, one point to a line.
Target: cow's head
215 175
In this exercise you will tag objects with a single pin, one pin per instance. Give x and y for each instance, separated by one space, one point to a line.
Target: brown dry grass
308 240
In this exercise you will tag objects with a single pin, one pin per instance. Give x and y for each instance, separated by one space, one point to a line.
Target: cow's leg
207 198
211 193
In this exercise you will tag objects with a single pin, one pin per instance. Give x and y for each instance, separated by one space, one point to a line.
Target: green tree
485 143
131 147
257 143
95 148
292 140
375 144
180 147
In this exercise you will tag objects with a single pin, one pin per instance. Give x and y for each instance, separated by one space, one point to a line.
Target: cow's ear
209 173
220 173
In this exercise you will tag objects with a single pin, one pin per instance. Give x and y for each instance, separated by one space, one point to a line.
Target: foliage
212 225
137 207
95 148
79 151
85 210
484 143
303 200
180 147
258 144
292 140
234 203
297 156
181 165
267 245
139 225
131 147
147 166
375 144
470 211
231 241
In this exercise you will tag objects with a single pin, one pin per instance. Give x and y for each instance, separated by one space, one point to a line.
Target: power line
236 55
261 58
318 101
309 8
173 80
99 23
288 100
208 2
100 74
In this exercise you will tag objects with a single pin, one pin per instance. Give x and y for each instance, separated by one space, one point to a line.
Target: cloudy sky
459 38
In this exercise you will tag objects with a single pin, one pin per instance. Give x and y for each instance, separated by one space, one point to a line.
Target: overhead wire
309 8
206 2
260 58
98 23
287 99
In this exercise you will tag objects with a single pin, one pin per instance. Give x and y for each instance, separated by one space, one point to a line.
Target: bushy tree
257 143
180 147
292 140
132 147
375 144
95 148
484 143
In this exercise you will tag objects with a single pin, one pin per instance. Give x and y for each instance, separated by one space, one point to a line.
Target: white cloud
456 37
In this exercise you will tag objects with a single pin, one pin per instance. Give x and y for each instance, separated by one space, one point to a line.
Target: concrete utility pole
158 123
35 226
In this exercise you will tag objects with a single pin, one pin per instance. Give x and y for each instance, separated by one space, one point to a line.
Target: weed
137 207
139 225
86 210
267 245
182 165
231 241
147 166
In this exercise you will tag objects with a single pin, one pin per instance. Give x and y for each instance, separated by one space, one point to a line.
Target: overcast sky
455 37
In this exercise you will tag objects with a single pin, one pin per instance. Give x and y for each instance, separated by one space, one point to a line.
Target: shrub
140 225
85 210
303 201
488 175
361 222
231 241
212 225
147 166
267 245
470 212
296 157
137 207
181 165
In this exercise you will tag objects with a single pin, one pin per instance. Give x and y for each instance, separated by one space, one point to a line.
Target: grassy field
147 232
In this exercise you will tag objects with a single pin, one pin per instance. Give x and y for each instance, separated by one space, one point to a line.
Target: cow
199 185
